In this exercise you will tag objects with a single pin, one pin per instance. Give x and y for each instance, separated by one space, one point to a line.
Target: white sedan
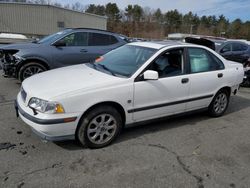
134 83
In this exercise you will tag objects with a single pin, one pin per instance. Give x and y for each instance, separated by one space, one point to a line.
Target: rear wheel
219 104
30 69
99 127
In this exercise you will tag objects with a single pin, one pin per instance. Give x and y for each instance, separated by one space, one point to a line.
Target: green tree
96 9
173 20
158 16
222 26
112 12
236 28
137 13
129 12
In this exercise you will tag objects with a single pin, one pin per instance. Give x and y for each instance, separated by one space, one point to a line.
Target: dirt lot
191 151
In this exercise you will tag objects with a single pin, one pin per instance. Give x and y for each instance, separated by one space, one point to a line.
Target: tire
99 127
219 103
30 69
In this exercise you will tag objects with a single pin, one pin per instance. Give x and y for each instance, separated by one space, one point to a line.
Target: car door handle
220 75
184 80
83 50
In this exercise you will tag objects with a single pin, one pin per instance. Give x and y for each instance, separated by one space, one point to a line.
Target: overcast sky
232 9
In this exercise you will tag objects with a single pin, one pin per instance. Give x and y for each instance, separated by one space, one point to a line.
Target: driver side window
76 39
170 63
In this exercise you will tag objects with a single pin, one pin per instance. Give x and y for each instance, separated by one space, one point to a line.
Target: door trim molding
169 103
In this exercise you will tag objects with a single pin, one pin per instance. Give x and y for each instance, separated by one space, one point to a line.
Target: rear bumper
49 129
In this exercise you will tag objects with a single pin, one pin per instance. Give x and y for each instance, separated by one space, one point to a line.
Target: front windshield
125 61
53 37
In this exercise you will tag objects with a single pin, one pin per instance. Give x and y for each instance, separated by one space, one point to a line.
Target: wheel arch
116 105
29 60
227 89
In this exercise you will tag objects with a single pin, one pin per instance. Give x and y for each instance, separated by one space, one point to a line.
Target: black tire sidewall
81 133
25 66
211 106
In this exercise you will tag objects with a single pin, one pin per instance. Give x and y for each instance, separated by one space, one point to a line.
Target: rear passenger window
98 39
239 47
203 61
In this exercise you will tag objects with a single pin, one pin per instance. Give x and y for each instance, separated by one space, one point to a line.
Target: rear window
98 39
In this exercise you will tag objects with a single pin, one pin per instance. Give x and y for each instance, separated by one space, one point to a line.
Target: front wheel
99 127
219 104
30 69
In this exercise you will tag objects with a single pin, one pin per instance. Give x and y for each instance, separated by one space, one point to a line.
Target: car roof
161 44
93 29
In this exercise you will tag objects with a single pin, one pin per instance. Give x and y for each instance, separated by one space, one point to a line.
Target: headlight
45 106
17 58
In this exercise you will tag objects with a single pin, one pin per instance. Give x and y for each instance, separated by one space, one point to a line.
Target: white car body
78 88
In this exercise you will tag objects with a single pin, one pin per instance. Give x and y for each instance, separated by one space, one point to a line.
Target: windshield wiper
107 69
95 66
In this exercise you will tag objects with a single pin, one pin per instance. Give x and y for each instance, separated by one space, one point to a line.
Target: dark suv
238 51
68 47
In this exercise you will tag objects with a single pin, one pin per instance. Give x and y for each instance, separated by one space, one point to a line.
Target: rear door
206 77
100 44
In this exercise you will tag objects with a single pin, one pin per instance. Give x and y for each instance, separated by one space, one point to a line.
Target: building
40 20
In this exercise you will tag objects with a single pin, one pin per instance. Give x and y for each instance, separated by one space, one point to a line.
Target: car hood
20 46
58 82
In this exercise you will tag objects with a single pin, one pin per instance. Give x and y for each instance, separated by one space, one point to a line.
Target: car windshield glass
124 61
53 37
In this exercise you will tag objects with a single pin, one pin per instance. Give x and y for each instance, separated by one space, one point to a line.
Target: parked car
8 38
134 83
68 47
246 80
211 42
234 50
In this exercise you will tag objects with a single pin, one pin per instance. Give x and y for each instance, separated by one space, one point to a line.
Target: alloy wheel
220 103
101 129
31 70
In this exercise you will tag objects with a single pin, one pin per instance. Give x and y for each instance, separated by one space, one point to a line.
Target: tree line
137 21
144 22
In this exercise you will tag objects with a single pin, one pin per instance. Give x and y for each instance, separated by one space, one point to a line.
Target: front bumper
48 129
9 70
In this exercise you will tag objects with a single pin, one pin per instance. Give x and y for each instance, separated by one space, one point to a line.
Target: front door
165 96
75 52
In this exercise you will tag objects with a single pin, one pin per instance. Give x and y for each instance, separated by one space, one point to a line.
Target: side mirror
60 43
150 75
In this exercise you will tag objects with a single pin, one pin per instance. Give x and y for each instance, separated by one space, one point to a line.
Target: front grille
23 94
